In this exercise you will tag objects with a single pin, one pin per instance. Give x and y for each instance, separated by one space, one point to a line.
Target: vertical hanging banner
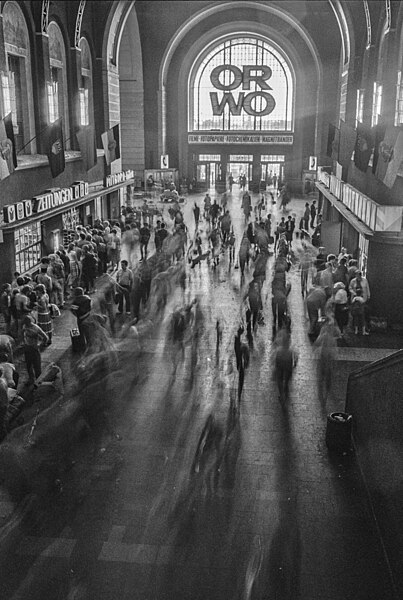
395 162
111 144
386 149
364 144
8 157
347 142
88 148
55 148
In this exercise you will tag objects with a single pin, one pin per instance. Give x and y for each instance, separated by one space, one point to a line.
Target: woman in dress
44 318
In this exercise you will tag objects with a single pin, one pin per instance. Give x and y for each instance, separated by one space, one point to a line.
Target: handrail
377 364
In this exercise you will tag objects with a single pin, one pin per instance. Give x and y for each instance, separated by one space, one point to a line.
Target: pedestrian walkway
288 520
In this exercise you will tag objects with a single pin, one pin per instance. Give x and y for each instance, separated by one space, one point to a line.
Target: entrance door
237 169
271 169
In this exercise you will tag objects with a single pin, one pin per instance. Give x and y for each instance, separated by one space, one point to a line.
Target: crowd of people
116 288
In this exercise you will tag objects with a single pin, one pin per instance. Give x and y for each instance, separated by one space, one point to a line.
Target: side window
16 81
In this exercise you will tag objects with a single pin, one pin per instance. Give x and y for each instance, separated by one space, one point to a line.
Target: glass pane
242 84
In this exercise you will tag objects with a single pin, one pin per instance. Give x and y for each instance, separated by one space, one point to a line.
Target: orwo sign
246 102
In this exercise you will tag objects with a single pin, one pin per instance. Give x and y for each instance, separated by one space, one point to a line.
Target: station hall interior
154 465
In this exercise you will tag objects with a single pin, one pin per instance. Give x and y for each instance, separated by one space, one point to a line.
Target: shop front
261 165
38 226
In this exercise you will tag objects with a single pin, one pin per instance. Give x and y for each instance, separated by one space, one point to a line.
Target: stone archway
123 83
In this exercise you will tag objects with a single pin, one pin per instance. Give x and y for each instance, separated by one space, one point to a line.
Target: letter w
228 98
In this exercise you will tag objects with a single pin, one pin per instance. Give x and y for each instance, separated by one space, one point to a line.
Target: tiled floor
287 520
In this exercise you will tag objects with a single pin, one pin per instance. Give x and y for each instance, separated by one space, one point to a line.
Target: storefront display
38 226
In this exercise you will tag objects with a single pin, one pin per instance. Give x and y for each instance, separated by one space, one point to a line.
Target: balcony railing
377 217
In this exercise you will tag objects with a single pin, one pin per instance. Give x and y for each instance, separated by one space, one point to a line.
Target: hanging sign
313 163
164 161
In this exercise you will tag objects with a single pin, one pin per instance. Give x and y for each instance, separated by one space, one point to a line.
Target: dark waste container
338 432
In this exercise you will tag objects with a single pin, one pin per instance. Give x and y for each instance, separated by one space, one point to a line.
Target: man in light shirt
124 279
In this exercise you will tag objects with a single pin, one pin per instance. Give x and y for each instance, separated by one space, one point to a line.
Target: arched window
243 83
16 81
57 86
85 91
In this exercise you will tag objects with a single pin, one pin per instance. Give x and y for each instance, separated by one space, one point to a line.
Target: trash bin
338 432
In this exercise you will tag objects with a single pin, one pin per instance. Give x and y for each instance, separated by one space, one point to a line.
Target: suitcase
77 342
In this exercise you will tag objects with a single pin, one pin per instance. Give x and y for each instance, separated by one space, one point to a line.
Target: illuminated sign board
234 138
259 74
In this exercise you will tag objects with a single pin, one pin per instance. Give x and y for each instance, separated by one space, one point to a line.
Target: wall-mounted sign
313 163
258 103
232 138
164 161
17 212
116 178
44 202
54 198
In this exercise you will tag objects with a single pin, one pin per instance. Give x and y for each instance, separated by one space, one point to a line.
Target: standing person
113 248
275 181
214 212
43 278
57 274
230 182
360 295
207 205
306 216
315 303
246 205
89 266
32 336
81 309
285 361
44 318
326 279
196 213
145 235
313 214
289 229
5 306
225 226
74 275
124 279
340 306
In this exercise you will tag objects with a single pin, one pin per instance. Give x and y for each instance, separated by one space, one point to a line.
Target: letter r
263 72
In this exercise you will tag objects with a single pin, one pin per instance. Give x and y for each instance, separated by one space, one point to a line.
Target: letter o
215 77
270 104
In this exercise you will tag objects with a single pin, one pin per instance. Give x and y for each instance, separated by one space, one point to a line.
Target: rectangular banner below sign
233 138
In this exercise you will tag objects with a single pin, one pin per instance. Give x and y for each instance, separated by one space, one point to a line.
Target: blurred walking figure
326 349
242 359
285 360
196 213
244 253
208 454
